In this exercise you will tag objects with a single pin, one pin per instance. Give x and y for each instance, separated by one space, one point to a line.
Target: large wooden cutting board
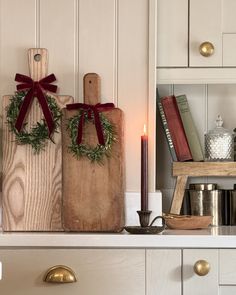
93 194
32 190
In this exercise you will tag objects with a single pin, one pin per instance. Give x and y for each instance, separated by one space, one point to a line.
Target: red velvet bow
36 89
91 109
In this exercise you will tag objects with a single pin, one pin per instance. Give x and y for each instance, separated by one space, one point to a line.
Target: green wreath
94 154
38 135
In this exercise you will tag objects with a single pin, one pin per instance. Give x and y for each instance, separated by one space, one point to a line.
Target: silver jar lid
202 186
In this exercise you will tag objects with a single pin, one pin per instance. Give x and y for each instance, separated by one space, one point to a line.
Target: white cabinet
163 272
213 21
205 25
181 27
183 272
119 271
194 283
98 271
172 33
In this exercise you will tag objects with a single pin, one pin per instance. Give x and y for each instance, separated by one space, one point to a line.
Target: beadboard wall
109 37
206 102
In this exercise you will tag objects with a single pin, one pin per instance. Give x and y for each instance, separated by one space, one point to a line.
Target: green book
189 128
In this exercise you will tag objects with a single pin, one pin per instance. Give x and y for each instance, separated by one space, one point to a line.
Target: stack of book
179 128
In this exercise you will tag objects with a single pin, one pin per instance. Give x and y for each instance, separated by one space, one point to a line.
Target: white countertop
214 237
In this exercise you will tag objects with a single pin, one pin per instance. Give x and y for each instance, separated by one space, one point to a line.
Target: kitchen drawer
227 290
227 262
100 272
163 272
196 284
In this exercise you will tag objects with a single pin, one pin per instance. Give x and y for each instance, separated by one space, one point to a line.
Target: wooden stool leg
178 194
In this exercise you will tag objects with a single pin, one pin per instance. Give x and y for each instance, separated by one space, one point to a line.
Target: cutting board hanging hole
37 57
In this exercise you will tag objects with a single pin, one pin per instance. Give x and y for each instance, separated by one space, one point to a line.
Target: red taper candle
144 171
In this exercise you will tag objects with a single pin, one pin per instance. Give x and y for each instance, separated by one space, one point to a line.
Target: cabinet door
172 33
100 272
163 272
194 283
213 21
205 25
227 271
229 32
227 261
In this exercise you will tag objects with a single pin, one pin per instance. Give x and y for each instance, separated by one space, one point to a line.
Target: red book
176 128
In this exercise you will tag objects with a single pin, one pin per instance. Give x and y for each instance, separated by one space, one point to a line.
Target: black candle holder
145 228
144 217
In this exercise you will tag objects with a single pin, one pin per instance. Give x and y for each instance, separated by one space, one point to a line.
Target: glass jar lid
219 129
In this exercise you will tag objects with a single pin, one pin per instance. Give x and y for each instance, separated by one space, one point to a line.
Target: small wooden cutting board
93 194
32 189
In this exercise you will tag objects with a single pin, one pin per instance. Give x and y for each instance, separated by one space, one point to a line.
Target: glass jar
219 143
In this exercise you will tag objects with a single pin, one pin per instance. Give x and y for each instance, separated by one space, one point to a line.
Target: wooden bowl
187 221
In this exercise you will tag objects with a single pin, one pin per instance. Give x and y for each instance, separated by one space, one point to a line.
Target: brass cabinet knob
60 274
206 49
201 268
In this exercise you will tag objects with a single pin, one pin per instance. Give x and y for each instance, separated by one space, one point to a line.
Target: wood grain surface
227 169
32 189
178 194
183 170
93 194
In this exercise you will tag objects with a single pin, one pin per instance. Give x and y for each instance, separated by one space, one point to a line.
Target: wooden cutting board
32 190
93 194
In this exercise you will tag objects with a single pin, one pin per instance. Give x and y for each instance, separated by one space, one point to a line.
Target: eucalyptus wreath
38 135
93 153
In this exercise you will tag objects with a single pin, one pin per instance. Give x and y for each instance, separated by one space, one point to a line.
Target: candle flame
144 129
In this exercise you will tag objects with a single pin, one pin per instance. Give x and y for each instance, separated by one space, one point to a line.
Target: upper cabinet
172 33
196 41
205 25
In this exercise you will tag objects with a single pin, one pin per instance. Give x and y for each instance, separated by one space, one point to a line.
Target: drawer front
227 290
116 272
163 272
227 263
193 282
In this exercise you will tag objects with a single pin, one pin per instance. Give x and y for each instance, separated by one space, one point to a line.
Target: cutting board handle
92 88
38 63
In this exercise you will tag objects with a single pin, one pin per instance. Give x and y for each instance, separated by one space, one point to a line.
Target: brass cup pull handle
201 268
60 274
206 49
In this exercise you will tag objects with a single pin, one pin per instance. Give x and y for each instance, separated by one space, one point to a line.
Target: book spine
166 130
189 128
176 128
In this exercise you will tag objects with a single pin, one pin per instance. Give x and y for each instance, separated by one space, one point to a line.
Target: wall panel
97 44
58 32
18 32
133 81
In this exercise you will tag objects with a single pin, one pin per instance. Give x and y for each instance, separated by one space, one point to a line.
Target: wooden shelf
183 170
196 169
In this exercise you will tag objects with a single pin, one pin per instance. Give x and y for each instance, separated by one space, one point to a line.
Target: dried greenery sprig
94 154
38 135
